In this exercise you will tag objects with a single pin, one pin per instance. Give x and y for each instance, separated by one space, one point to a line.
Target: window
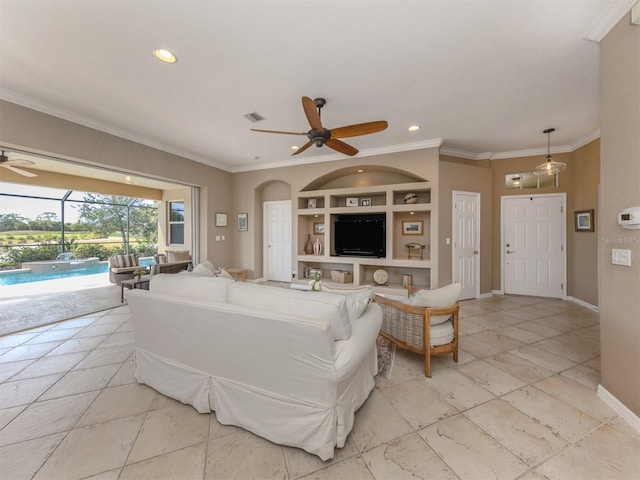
176 223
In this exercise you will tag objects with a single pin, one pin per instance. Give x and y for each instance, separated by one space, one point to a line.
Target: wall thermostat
629 217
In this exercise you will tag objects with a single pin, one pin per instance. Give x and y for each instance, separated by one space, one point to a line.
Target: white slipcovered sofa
288 365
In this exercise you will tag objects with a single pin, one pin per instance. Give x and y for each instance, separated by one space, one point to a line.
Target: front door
533 239
466 243
277 234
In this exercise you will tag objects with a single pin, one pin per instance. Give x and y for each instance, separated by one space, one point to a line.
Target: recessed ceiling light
360 170
294 147
165 55
127 179
414 128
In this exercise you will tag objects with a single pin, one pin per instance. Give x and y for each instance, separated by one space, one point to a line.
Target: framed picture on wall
412 228
221 219
584 220
352 201
318 228
243 222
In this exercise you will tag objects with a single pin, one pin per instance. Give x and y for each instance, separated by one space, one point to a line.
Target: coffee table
133 283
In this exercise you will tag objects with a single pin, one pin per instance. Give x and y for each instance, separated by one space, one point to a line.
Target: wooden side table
133 283
240 272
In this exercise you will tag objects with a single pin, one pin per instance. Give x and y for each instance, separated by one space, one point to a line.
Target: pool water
9 278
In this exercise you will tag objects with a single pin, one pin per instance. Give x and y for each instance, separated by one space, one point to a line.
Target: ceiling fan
11 165
319 136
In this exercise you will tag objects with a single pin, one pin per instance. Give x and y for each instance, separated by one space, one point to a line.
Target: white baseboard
582 303
497 292
486 295
620 408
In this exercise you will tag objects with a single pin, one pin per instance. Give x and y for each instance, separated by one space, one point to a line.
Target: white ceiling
485 78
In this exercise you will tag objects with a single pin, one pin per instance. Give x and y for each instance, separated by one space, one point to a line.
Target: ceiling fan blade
303 148
313 116
341 147
278 131
359 129
19 171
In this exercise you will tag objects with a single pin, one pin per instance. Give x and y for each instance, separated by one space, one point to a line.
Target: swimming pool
15 277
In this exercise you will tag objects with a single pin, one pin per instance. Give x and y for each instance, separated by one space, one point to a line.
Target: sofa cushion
441 334
357 299
438 298
211 289
315 305
130 260
177 255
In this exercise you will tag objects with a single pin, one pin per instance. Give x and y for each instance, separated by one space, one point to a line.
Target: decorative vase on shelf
308 247
317 247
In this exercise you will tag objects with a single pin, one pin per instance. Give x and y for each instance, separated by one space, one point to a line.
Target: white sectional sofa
288 365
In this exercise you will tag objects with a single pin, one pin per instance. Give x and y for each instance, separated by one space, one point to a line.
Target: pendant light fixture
549 167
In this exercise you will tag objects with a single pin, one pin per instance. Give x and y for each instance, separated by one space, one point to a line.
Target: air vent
254 117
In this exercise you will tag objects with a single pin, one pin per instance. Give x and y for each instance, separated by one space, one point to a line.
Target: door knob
508 252
475 252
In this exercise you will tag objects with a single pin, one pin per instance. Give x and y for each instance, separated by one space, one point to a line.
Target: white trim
485 295
497 292
619 407
582 303
609 18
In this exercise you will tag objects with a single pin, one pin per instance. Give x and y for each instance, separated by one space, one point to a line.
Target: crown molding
609 18
64 114
466 154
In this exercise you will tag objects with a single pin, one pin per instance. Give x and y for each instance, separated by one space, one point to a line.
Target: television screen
360 235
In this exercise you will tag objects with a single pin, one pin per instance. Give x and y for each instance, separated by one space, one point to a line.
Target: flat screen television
360 235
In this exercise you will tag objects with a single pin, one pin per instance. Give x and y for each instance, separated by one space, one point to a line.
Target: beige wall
582 247
468 176
580 183
35 132
178 194
248 192
620 188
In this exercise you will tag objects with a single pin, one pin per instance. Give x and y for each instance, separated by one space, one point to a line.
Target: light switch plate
621 257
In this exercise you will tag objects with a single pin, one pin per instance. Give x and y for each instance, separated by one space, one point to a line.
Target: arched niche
362 176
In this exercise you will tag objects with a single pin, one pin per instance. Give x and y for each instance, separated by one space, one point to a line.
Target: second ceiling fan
318 135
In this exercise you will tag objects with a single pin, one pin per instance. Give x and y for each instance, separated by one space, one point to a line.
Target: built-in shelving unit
317 211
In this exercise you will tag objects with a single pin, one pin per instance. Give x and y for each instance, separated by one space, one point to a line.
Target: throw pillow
438 298
356 299
225 274
177 256
130 260
203 271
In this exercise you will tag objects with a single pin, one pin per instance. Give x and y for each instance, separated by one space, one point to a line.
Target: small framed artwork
221 219
352 201
584 220
365 202
243 222
412 228
318 228
312 203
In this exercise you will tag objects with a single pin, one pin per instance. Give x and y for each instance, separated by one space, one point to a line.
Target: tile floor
520 404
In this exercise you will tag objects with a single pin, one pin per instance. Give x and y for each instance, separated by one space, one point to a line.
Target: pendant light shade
549 167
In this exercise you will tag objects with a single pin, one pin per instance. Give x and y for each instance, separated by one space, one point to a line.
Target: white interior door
277 235
466 243
533 239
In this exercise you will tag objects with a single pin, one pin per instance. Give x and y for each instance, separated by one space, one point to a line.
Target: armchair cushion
177 256
124 261
438 298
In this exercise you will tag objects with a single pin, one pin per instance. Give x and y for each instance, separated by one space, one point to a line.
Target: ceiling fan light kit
549 167
319 135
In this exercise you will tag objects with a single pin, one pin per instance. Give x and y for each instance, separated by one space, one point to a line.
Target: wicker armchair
410 327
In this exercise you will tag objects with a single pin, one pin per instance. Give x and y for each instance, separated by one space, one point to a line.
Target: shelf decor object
312 203
415 246
411 198
352 201
380 276
412 228
317 247
308 246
